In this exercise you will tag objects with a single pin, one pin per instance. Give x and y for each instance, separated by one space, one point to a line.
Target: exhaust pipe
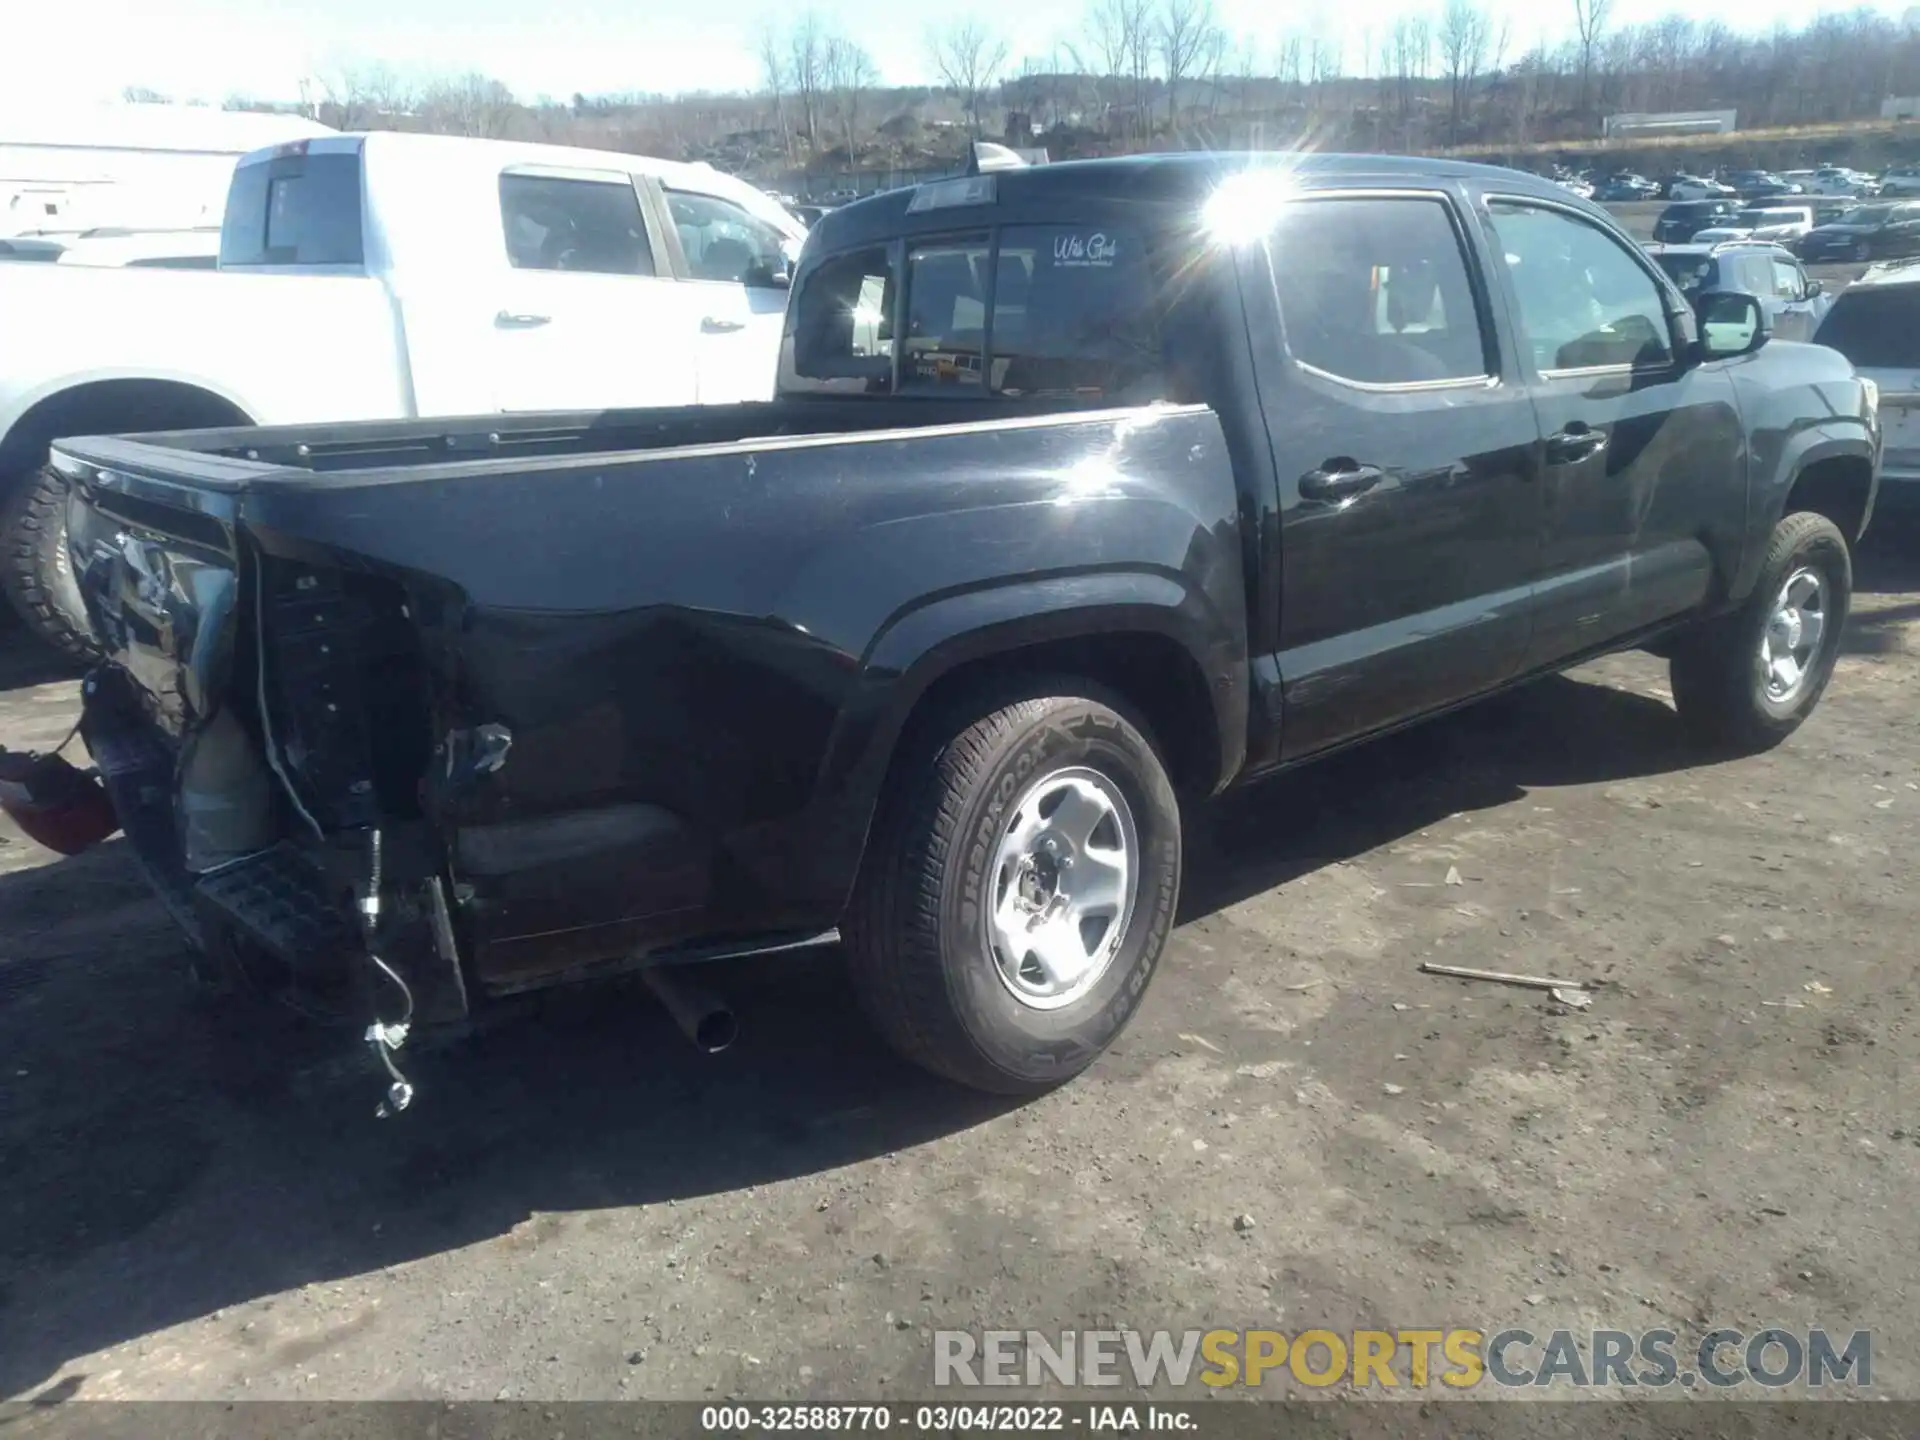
703 1017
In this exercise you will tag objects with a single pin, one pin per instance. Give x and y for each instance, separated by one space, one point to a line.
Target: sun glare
1247 205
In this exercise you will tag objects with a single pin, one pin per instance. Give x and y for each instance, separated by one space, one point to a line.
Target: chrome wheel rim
1065 875
1790 643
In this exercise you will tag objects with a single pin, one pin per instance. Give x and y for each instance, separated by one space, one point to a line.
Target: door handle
508 320
1575 443
714 325
1339 479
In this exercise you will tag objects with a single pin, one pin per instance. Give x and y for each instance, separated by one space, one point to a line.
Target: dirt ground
196 1202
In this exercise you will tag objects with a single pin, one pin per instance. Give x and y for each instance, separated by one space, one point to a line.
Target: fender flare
923 645
1837 439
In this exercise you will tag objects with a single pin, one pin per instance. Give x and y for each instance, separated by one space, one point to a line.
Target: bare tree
356 95
967 56
1137 25
469 104
142 95
1213 63
1183 33
1289 62
1589 23
849 74
772 56
1411 47
1104 51
1464 35
806 65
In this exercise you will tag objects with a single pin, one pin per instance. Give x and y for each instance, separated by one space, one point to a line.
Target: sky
210 49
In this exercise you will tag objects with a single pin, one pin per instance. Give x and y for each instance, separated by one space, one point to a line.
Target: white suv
1875 323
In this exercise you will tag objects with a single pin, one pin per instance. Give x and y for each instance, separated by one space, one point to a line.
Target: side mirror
769 275
1816 287
1732 324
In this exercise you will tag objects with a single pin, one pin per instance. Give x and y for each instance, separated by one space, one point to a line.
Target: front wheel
1862 250
1747 681
1018 891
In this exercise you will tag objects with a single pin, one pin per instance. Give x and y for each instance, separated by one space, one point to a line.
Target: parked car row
1822 232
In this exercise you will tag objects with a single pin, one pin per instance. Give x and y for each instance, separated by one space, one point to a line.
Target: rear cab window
1877 327
1693 273
1024 311
295 207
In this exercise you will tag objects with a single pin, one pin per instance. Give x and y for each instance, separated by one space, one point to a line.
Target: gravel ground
198 1203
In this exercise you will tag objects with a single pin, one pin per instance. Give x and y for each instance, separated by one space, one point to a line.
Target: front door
1645 479
1407 462
736 266
585 317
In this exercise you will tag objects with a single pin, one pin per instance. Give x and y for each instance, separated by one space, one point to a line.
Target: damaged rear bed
402 715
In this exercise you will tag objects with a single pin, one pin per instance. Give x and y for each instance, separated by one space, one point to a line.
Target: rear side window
300 209
589 227
1692 273
1073 312
1877 327
1376 291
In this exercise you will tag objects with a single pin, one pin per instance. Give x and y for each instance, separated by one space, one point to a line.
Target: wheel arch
1142 637
145 401
1828 469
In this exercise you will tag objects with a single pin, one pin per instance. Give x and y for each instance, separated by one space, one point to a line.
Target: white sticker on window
1085 251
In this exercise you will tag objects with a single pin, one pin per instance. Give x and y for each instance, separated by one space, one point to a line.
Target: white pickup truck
390 276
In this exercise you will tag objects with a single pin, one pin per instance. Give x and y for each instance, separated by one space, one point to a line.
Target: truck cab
531 277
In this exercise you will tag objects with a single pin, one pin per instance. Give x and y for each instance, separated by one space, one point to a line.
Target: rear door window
1376 290
1073 312
300 209
1876 327
588 226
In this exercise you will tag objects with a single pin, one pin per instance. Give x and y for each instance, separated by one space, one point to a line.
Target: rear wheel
1862 250
1018 891
1747 681
35 570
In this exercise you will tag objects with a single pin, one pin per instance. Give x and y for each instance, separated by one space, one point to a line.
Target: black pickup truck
1092 490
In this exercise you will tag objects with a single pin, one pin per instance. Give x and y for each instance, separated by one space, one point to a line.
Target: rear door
1407 459
586 316
1645 479
736 266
